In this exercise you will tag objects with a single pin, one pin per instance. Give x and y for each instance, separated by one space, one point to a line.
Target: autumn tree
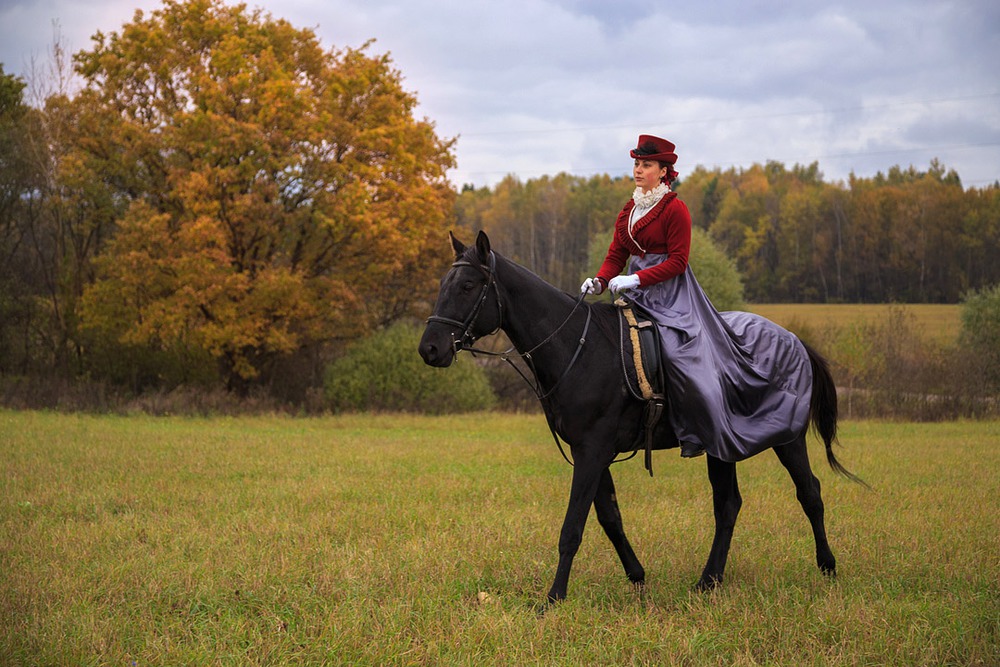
747 227
14 306
53 219
703 191
979 233
276 195
906 235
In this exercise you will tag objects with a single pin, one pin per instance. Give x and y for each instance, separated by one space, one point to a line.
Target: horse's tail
823 411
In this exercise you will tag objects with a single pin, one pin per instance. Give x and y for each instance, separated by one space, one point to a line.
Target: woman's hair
649 148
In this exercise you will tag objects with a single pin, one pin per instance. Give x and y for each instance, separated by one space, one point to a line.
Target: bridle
467 340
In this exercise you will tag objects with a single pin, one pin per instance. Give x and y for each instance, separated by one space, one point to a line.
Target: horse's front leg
726 501
610 518
586 478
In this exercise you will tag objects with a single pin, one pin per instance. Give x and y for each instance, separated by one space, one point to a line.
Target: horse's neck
534 309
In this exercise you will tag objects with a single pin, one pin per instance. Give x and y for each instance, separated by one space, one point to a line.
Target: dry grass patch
367 540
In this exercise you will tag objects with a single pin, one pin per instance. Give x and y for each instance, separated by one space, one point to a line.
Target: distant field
940 322
408 540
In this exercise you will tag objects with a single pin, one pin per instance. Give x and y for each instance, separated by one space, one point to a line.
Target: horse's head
468 304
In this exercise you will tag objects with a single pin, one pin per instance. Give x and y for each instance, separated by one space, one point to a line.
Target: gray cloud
535 87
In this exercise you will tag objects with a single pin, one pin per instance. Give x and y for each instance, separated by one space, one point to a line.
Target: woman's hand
591 286
620 283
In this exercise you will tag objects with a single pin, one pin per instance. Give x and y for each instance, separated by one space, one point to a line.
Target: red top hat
654 148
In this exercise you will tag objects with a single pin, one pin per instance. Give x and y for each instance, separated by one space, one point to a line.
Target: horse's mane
604 316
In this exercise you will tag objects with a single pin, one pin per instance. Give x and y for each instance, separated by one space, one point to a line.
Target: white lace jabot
650 199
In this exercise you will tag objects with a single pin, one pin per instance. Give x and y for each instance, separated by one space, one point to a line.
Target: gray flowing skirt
737 383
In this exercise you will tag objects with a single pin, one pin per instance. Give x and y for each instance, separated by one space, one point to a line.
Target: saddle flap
647 352
647 358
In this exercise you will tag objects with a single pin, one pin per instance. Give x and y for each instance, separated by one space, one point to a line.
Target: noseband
467 339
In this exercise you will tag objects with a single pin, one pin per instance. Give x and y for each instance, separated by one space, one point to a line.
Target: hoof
639 588
706 584
543 608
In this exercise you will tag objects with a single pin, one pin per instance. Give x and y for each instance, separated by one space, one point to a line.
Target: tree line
905 236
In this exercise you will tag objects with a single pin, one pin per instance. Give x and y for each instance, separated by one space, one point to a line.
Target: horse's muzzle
436 348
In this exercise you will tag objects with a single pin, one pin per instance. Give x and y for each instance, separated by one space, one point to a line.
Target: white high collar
651 198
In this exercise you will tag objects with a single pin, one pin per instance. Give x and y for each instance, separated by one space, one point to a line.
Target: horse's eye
468 285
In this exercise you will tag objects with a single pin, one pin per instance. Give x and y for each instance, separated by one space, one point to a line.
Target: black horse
574 350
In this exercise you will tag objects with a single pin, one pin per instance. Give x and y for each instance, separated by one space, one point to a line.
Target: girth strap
651 390
640 370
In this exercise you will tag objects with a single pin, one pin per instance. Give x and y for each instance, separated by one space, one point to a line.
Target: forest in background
903 236
193 218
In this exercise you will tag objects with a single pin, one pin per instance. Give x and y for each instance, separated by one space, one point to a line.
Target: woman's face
647 174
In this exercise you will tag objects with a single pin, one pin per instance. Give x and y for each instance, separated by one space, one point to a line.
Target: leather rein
468 339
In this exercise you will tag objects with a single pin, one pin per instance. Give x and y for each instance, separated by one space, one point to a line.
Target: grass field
369 540
939 322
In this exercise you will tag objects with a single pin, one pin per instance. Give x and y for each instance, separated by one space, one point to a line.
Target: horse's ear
483 247
457 245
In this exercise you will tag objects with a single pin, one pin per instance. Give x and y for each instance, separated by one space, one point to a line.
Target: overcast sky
536 87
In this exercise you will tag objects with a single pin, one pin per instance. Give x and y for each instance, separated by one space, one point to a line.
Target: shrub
384 372
981 331
716 272
890 369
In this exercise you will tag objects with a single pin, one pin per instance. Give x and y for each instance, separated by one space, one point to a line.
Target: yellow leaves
754 182
276 177
182 287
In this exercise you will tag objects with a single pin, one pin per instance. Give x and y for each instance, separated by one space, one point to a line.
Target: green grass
367 540
939 322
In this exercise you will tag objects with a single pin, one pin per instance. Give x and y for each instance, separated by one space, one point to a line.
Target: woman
737 384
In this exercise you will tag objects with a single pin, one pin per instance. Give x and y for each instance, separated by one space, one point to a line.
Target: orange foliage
280 195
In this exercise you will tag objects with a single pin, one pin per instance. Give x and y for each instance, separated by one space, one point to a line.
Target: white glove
620 283
591 286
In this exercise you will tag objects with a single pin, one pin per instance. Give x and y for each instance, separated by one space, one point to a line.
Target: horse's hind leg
795 458
610 518
726 501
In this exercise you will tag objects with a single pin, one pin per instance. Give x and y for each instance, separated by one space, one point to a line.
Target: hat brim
657 157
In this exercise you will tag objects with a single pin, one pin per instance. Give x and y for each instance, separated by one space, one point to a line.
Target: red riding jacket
665 230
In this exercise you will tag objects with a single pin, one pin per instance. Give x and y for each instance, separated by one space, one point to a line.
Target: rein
536 387
468 340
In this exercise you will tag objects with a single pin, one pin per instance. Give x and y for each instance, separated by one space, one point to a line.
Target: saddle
647 360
